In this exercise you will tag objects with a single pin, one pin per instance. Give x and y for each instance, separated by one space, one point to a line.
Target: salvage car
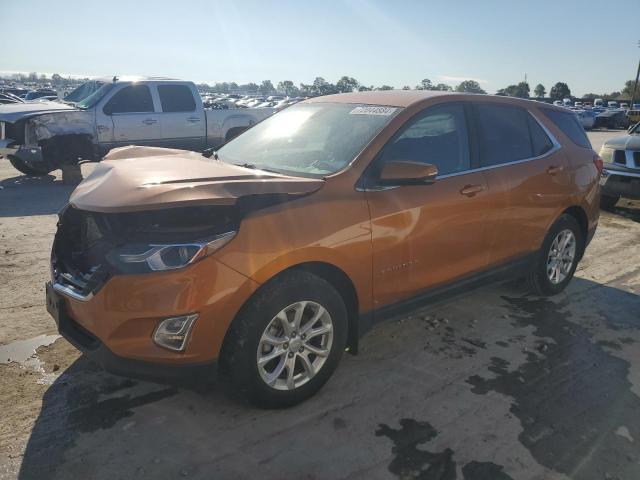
281 250
621 175
41 137
613 119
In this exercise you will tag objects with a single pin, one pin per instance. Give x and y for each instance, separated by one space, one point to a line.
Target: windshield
95 97
313 140
83 91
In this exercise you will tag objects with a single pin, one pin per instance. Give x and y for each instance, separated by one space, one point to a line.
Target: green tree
425 84
33 77
55 78
347 84
288 88
364 88
385 87
443 87
539 91
520 90
267 88
560 91
406 87
469 86
627 91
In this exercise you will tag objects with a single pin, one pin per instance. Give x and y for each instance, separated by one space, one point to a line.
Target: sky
589 44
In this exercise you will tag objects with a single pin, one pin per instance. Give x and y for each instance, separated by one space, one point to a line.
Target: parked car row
225 101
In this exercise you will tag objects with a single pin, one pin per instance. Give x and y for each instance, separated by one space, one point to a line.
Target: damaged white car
38 138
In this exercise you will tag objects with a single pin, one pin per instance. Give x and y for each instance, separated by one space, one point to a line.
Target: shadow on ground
572 397
22 196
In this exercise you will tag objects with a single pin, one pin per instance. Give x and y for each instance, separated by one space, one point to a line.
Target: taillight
599 163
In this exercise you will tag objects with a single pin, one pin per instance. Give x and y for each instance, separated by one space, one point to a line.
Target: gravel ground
494 385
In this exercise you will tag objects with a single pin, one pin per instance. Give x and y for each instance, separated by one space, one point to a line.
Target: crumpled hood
12 112
149 178
626 142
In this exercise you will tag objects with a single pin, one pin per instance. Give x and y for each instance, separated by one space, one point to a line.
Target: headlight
606 154
141 258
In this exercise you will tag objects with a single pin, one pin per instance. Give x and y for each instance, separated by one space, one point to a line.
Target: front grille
619 157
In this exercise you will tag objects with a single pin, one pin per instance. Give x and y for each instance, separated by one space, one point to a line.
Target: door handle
554 170
193 119
471 190
149 121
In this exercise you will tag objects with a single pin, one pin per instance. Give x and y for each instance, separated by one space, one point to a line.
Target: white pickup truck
40 137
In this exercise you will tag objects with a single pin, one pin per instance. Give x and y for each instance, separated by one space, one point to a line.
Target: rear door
427 235
132 114
527 175
182 118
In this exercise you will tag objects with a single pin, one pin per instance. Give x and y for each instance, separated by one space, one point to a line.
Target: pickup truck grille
619 157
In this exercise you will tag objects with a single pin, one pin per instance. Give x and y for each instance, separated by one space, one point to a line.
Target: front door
428 235
131 116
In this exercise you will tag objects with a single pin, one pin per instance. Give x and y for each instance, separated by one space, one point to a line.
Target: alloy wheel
561 256
295 345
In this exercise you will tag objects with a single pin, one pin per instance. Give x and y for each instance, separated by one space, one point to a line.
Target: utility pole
635 85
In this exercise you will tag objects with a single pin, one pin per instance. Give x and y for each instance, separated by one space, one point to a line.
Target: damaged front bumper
31 156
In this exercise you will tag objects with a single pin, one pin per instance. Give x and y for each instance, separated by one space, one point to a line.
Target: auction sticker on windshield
373 110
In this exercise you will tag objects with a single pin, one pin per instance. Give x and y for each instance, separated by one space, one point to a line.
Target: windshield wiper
253 166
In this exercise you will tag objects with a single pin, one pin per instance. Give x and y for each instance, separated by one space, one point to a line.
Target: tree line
345 84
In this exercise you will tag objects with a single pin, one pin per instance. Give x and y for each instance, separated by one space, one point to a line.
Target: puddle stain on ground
23 352
73 405
411 461
570 399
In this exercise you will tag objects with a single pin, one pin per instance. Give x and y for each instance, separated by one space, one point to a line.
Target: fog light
173 333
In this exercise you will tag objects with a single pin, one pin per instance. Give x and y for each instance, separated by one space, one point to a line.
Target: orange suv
275 254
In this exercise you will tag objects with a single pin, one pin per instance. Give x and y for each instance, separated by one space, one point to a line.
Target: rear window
570 126
176 98
503 133
540 141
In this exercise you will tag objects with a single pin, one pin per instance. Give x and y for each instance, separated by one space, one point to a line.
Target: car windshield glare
95 97
313 140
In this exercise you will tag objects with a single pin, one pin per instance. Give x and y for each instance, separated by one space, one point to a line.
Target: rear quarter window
569 124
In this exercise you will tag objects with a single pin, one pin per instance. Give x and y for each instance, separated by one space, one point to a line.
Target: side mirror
405 172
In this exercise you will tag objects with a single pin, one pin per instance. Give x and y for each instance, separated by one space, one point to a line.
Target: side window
438 137
540 141
176 98
131 99
570 125
503 134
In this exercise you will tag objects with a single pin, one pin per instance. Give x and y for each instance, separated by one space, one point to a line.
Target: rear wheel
287 341
22 167
607 202
558 257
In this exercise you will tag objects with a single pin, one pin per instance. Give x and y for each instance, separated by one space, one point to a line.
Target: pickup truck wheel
287 340
607 202
556 261
22 167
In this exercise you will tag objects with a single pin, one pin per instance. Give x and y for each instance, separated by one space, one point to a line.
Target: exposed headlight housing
141 258
606 154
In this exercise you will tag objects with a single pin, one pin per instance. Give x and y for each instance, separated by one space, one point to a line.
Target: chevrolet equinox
273 255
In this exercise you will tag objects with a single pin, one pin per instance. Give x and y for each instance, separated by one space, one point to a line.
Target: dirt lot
496 385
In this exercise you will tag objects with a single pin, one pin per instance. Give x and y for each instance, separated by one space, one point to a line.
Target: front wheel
287 340
557 259
22 167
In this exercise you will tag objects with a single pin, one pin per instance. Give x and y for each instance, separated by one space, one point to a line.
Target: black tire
238 359
26 169
538 279
607 202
